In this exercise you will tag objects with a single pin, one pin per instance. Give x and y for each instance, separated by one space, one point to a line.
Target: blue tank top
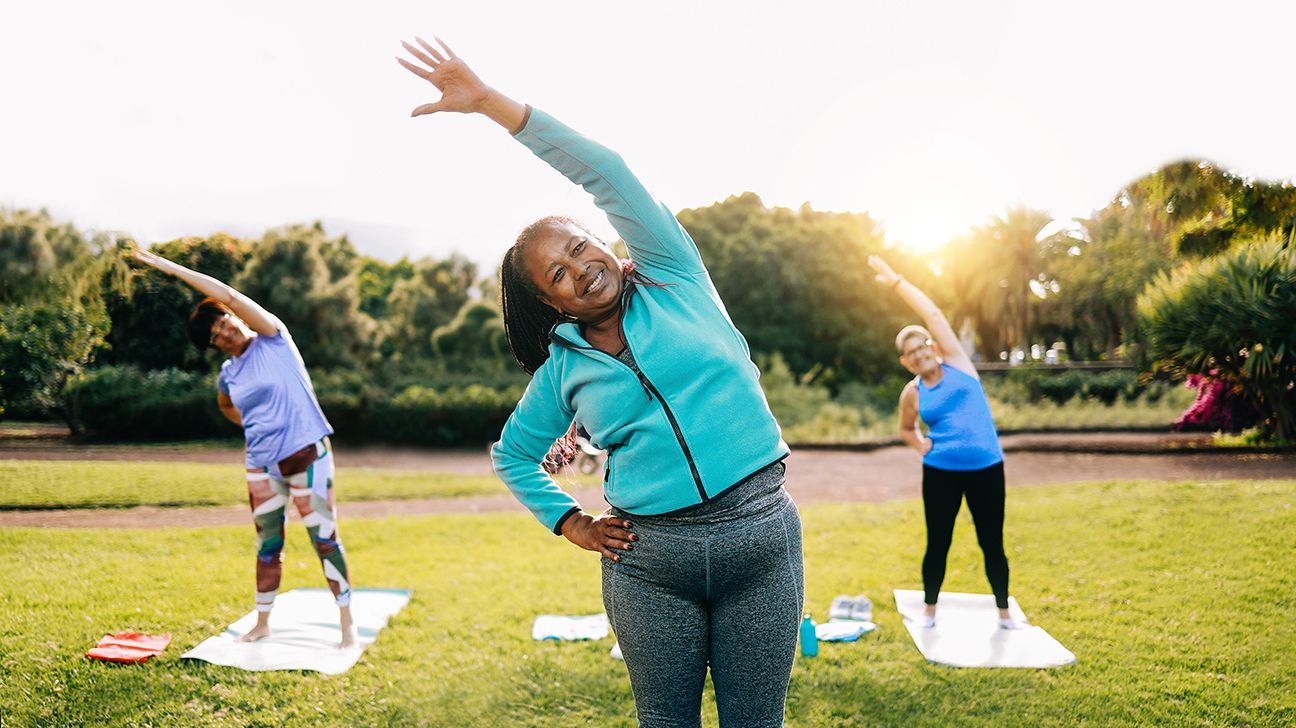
959 423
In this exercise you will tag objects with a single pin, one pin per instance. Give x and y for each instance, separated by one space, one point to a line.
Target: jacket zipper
656 395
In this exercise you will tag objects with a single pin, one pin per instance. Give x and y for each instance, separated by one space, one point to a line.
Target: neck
933 377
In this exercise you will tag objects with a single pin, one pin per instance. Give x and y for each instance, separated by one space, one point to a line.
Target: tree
422 303
474 341
1229 318
796 282
148 317
288 275
989 273
376 279
32 246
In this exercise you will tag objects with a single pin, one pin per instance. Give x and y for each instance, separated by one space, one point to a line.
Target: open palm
461 89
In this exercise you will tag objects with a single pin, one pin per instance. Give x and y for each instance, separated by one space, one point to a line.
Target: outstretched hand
461 89
885 275
155 260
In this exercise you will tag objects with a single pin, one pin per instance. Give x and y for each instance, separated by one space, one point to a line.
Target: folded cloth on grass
558 627
967 633
304 632
129 646
843 630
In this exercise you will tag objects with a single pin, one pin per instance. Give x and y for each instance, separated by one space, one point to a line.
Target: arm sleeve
539 419
654 237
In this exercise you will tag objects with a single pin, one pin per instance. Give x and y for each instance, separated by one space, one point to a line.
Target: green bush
125 403
472 415
1230 318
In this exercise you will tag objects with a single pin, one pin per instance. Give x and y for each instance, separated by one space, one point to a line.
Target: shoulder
966 368
910 391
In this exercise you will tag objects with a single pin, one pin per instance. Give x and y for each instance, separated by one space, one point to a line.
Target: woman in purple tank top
265 389
961 452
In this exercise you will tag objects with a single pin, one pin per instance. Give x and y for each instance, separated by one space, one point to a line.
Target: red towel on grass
129 647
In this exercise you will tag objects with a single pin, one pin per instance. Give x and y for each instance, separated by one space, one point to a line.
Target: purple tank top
270 387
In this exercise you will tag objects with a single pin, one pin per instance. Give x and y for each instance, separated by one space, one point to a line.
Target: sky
160 120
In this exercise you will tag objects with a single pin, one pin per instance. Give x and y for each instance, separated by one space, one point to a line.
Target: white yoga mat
967 633
304 632
560 627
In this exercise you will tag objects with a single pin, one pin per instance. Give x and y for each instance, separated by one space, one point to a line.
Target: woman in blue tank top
265 389
961 452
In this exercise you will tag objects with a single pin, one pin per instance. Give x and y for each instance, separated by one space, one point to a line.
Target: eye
579 247
557 275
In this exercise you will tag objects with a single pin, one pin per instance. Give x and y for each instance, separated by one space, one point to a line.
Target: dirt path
814 476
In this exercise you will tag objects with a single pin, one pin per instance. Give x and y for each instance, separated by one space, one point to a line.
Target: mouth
596 282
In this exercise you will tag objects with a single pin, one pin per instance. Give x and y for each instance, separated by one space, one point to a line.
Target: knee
270 550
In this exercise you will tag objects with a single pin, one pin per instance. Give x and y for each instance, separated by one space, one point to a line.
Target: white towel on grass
304 632
558 627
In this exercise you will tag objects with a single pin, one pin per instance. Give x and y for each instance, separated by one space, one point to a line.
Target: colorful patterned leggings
312 492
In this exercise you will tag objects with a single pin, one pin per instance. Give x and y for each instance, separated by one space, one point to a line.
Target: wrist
896 283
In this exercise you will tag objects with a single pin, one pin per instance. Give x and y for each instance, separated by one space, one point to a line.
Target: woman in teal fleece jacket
702 546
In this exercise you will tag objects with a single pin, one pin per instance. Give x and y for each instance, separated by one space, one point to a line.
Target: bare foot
259 632
348 628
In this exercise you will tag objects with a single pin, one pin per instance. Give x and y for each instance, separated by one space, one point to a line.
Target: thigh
942 494
756 603
661 622
985 497
265 492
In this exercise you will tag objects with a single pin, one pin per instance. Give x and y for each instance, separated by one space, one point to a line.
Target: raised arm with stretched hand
942 333
461 90
257 318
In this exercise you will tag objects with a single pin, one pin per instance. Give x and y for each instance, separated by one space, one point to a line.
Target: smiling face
230 335
919 355
574 272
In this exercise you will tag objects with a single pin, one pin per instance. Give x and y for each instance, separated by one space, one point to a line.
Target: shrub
1230 318
125 403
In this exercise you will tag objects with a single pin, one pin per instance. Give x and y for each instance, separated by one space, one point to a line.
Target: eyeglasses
910 352
218 328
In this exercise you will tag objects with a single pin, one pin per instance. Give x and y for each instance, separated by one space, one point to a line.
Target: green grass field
30 484
1176 599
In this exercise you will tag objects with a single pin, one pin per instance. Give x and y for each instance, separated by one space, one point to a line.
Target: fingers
443 45
434 53
423 56
621 533
426 109
422 73
608 554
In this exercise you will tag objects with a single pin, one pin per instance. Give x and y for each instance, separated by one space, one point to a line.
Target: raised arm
257 318
943 334
650 230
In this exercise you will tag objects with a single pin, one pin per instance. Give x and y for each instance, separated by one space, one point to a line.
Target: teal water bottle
809 642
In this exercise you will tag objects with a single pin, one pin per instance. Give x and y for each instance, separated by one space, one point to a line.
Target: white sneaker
842 607
862 609
616 651
1011 623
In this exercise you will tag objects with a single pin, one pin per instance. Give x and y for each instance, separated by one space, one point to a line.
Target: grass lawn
31 484
1176 599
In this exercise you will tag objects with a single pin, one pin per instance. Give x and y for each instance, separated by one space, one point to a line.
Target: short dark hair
204 316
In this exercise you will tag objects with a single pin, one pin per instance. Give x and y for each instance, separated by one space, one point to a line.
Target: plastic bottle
809 642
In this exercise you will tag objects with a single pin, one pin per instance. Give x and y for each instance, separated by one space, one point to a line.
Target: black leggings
943 492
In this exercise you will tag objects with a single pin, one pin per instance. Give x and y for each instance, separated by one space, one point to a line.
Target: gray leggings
719 584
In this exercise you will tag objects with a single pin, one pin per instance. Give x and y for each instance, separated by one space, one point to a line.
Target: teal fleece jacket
696 422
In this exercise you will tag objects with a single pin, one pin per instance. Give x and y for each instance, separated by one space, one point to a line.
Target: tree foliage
796 283
1230 318
290 276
